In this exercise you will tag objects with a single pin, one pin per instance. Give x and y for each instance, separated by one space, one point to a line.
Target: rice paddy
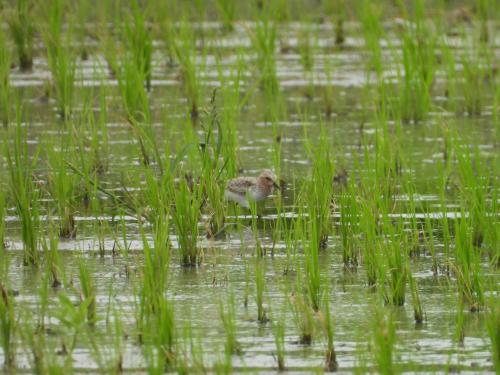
122 123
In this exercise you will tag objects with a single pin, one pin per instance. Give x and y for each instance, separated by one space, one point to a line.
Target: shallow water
228 264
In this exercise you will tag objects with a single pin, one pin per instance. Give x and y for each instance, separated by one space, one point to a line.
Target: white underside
242 200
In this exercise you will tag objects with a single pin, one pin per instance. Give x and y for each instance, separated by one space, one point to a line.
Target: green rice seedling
349 224
320 189
460 322
7 326
370 242
303 316
139 41
328 91
264 42
312 274
279 341
306 46
260 286
186 53
134 97
53 262
61 58
2 226
473 188
228 315
227 10
136 103
21 24
396 258
82 14
186 215
223 364
62 184
110 50
24 193
467 266
491 232
227 118
331 363
87 292
4 80
418 46
418 310
384 338
428 233
340 10
451 84
493 327
472 84
162 333
108 353
213 167
485 10
370 16
155 272
73 318
193 360
43 300
44 358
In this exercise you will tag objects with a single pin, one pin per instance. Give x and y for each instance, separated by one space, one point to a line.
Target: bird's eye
269 179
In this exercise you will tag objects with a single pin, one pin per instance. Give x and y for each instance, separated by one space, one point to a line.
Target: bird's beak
276 185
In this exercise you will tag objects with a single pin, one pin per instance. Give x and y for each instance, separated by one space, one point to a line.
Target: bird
241 189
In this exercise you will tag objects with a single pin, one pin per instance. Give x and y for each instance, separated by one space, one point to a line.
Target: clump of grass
62 184
7 326
136 103
21 27
306 49
186 214
493 327
319 190
370 15
24 193
2 226
313 277
87 293
264 42
213 166
384 337
4 80
303 316
331 363
418 47
395 255
279 340
139 42
155 272
161 330
61 58
186 53
418 311
227 10
228 316
370 242
468 266
53 261
349 224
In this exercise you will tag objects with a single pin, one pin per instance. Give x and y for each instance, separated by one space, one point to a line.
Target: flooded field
377 251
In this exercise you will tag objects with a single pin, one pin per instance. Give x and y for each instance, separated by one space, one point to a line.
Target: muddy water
228 265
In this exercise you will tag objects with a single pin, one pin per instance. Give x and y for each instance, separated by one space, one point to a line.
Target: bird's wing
241 185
